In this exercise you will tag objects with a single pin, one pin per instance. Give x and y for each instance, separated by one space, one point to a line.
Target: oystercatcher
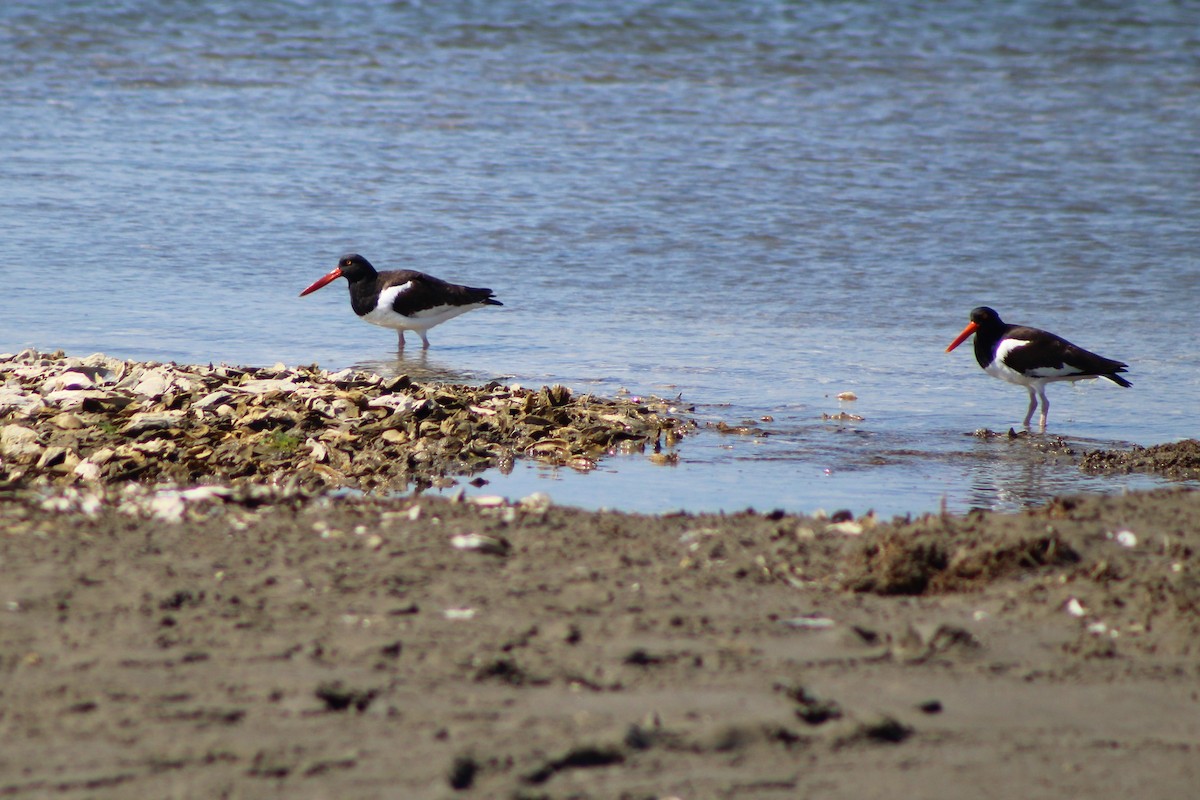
403 299
1032 357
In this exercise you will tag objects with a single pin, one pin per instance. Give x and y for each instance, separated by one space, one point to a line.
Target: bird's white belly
384 315
998 369
1035 377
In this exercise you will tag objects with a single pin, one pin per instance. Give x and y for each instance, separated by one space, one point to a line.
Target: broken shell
75 398
480 543
52 456
538 501
18 442
547 448
1125 538
87 470
67 421
151 421
581 463
399 403
263 386
70 380
17 402
842 416
847 527
211 399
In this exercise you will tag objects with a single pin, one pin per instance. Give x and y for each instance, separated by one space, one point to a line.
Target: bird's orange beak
333 276
962 337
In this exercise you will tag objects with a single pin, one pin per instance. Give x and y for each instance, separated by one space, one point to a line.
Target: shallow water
751 206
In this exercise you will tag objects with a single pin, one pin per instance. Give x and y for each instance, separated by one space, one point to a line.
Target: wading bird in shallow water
403 299
1032 358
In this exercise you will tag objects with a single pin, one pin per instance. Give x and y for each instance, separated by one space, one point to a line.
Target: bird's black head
351 266
985 317
984 320
354 267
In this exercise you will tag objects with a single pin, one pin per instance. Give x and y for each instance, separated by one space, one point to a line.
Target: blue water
755 206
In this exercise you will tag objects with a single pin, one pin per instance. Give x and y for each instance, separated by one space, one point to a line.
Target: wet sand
259 634
253 643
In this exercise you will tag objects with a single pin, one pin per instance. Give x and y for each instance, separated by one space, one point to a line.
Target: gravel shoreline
97 420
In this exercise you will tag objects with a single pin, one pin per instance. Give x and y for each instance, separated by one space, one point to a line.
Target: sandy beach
250 638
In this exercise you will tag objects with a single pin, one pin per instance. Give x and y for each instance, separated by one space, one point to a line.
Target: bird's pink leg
1032 406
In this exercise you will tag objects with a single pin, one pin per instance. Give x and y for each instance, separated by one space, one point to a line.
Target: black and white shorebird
1032 358
403 299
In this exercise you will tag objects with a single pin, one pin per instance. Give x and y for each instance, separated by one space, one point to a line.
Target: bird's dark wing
1048 355
420 293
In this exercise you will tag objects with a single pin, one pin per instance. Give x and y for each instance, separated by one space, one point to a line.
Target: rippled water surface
754 206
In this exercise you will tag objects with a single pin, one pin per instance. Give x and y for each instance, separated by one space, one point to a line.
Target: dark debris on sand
1174 460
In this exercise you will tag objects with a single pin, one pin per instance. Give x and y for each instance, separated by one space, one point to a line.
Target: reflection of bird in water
404 300
1032 358
420 367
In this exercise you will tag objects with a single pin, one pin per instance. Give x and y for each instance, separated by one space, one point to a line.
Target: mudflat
243 642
